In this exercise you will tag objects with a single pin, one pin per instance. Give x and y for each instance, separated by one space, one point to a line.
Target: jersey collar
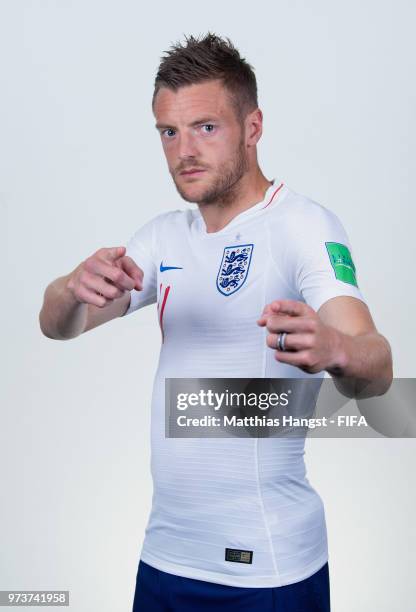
270 196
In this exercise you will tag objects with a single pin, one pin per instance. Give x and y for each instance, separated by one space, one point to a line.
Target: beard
225 186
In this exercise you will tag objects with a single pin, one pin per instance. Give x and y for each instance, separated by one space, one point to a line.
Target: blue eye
169 130
208 125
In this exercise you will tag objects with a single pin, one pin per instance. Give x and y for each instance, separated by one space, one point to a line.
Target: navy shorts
158 591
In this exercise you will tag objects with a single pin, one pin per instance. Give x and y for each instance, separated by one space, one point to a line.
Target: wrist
339 359
68 289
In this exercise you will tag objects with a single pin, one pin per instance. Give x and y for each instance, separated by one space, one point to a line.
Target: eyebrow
160 126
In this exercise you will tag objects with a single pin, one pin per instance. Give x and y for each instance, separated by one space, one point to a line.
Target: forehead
208 98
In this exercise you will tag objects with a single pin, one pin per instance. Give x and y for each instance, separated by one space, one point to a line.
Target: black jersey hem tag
238 556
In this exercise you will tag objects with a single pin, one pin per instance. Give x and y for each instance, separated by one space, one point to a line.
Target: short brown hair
204 59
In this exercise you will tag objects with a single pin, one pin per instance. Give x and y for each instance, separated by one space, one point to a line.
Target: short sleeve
324 261
141 248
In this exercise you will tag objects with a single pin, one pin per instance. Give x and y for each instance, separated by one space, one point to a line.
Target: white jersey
249 494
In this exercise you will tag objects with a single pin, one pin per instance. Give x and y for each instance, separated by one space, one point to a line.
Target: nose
186 146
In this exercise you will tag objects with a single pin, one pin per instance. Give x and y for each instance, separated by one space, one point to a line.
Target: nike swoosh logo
164 268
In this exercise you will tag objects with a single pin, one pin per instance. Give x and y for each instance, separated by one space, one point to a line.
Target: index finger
263 317
275 307
290 307
111 254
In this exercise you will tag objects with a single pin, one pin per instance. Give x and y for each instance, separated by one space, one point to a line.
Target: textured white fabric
245 493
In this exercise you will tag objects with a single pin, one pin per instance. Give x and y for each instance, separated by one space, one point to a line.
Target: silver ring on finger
281 337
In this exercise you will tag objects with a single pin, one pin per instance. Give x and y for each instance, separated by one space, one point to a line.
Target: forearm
363 367
62 317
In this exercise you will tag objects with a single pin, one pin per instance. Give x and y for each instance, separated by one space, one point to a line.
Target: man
258 281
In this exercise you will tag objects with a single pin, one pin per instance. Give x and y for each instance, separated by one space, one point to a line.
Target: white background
81 167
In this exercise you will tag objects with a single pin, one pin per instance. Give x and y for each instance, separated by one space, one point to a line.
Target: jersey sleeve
322 262
141 247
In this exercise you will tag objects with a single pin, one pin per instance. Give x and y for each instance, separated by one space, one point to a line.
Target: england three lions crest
234 268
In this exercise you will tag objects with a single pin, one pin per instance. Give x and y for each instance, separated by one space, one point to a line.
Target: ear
254 127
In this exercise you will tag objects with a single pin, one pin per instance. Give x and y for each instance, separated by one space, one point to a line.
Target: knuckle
114 292
88 264
311 362
81 295
308 342
271 323
81 274
306 360
117 275
313 325
83 277
102 300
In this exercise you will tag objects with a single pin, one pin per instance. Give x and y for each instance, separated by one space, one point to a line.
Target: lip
192 171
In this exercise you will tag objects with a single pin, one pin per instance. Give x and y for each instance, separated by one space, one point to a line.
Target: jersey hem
237 581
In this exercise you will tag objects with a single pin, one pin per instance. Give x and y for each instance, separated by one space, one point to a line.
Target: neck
247 192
